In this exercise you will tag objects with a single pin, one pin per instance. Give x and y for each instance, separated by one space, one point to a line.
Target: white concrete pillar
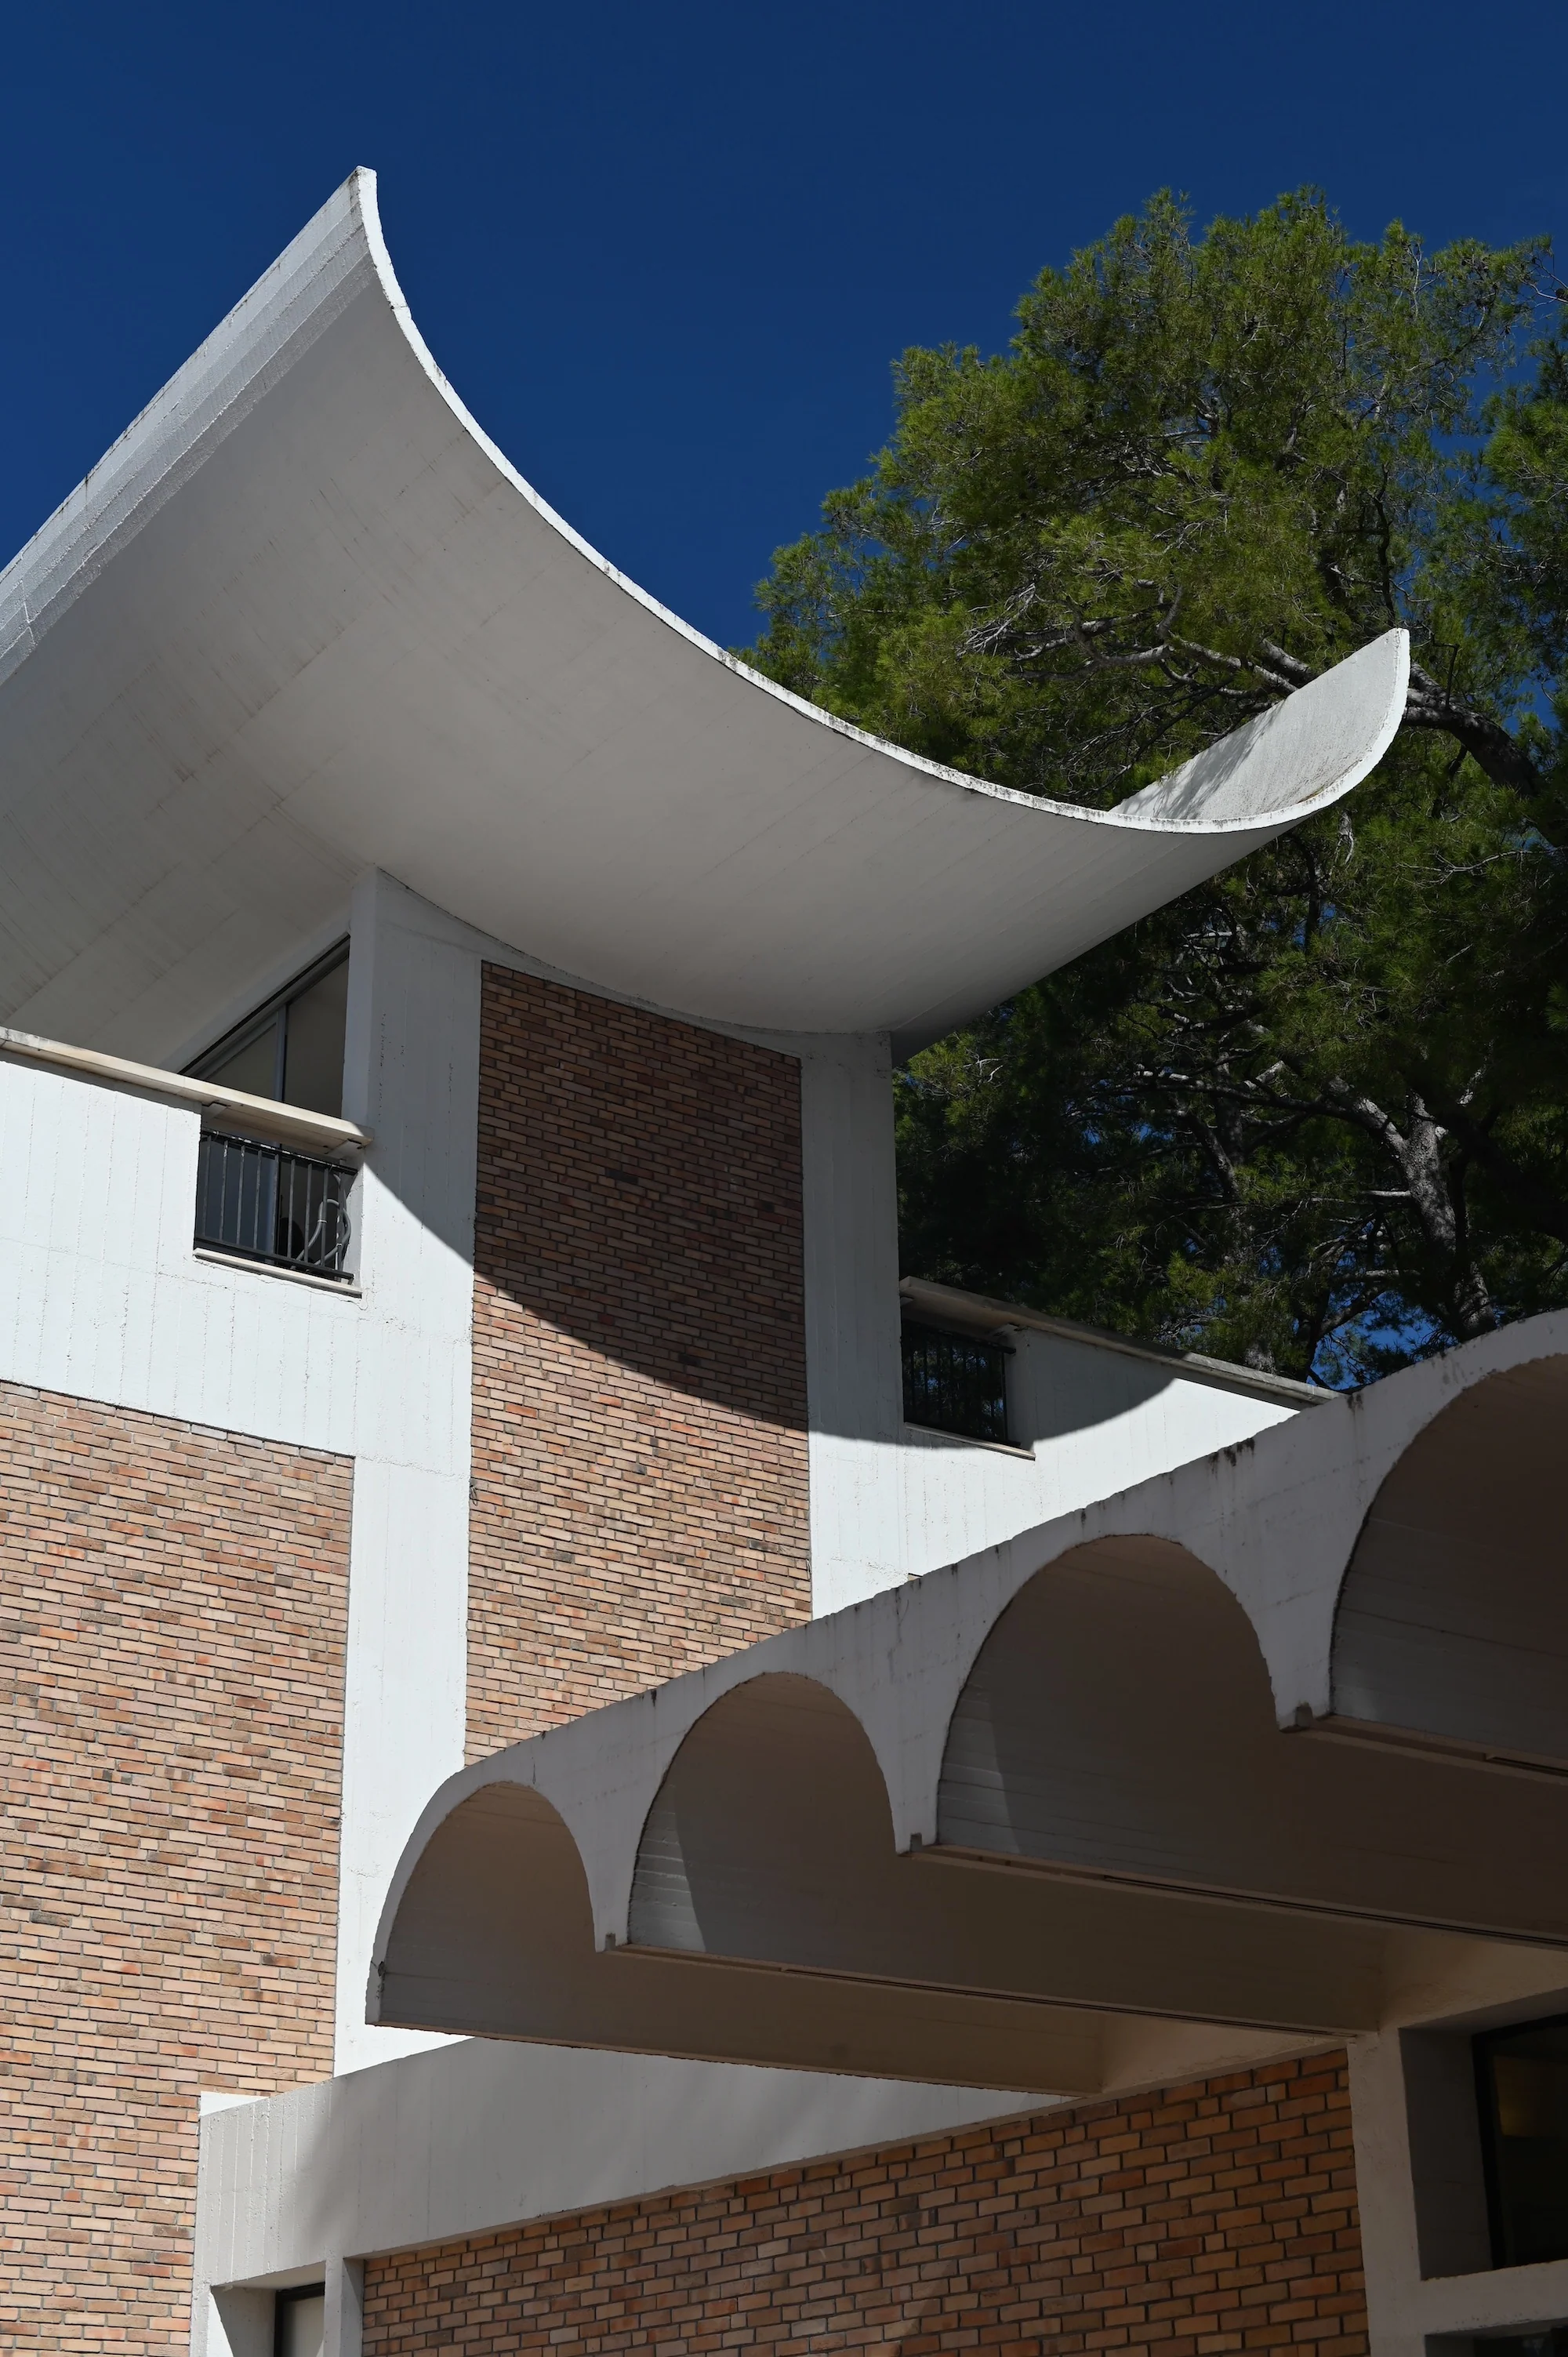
854 1401
345 2307
412 1077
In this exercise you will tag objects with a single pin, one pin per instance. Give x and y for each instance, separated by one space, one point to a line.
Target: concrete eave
306 618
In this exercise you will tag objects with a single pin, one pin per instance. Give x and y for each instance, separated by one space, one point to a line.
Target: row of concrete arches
1251 1745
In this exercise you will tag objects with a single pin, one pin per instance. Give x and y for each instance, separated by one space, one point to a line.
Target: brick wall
171 1683
640 1446
1208 2218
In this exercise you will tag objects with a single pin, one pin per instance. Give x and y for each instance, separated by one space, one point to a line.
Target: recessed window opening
1522 2084
955 1382
268 1203
299 2325
291 1048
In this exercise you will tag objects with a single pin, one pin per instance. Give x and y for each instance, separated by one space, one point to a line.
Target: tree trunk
1436 1196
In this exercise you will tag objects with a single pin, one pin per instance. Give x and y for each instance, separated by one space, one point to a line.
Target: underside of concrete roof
1263 1743
306 619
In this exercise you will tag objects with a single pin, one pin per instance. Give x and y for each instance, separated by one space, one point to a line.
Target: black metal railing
955 1382
266 1204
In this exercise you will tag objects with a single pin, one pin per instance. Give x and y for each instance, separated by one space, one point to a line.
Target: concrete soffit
1257 1744
306 619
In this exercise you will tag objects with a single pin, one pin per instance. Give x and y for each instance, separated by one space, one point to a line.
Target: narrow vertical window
299 2328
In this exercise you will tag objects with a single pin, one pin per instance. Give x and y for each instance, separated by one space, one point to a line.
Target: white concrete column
412 1071
850 1202
1386 2196
345 2307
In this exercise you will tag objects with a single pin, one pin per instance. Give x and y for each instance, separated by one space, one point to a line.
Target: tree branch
1541 1204
1500 756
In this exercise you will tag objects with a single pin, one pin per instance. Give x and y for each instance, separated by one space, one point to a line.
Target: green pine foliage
1314 1116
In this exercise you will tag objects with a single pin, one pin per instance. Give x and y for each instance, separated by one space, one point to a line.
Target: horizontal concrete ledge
478 2137
342 1287
288 1125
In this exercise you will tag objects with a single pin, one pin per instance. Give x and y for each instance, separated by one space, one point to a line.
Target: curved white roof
305 618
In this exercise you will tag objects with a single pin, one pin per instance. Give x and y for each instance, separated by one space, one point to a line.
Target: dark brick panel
639 1387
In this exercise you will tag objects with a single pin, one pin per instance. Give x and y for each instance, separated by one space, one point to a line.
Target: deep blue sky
667 254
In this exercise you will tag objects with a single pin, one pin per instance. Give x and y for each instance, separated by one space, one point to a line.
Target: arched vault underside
306 618
1264 1748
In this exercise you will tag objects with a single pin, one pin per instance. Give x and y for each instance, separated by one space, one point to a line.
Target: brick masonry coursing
1208 2219
171 1701
640 1501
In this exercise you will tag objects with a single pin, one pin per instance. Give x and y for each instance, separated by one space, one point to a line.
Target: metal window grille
267 1204
955 1382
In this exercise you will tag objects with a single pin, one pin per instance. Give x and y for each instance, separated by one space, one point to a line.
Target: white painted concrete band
291 1123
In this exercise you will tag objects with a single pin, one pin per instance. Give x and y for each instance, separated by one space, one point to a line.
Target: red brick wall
640 1383
1208 2219
172 1607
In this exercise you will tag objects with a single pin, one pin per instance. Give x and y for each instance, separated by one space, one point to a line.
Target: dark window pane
1523 2080
253 1067
292 1045
313 1068
955 1384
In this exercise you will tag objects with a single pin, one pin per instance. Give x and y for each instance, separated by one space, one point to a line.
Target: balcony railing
265 1203
955 1382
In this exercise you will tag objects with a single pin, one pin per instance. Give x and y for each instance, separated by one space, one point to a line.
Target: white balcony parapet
288 1125
982 1314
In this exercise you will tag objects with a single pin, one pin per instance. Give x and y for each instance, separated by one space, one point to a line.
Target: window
265 1203
299 2325
955 1382
254 1198
291 1048
1521 2079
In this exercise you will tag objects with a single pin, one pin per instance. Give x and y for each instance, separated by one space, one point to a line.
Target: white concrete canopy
1232 1747
305 620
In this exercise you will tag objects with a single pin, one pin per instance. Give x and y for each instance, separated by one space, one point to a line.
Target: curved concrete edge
1301 755
1276 1519
1335 730
1247 787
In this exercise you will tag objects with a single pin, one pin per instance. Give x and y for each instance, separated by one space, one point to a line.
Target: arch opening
1451 1632
1119 1723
